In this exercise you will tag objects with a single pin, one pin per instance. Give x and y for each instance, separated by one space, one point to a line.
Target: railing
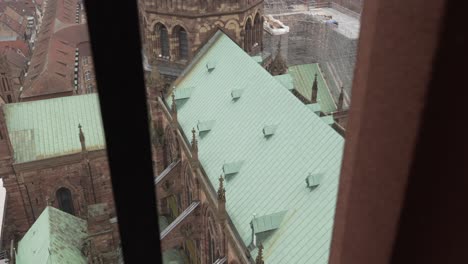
166 171
4 256
179 219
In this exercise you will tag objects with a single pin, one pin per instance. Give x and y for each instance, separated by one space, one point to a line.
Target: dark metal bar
116 47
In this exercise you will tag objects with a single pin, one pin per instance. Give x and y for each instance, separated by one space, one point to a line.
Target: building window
4 83
9 99
164 42
182 42
248 35
171 147
65 201
87 75
189 186
89 88
85 60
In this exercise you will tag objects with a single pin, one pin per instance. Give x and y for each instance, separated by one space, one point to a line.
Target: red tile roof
52 65
15 44
14 20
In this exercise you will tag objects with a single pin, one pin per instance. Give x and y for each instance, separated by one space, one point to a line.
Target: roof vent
269 130
314 107
183 93
267 222
236 93
210 66
232 168
313 180
328 119
205 126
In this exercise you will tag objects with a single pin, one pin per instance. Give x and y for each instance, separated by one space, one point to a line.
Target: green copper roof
55 238
303 76
272 176
49 128
328 119
314 107
267 222
258 59
286 80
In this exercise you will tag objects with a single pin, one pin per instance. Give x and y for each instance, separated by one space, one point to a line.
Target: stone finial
82 138
259 259
314 90
194 144
221 190
48 201
174 106
341 99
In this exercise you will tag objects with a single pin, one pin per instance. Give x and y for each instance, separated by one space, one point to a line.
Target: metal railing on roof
179 219
220 260
4 255
166 171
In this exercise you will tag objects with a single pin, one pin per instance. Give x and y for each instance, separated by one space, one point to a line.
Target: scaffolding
316 38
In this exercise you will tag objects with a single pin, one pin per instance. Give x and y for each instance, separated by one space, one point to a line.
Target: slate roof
49 128
272 178
303 77
55 238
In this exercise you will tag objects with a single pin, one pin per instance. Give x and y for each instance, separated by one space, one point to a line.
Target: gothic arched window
65 201
162 40
248 36
189 186
171 147
182 40
210 237
258 30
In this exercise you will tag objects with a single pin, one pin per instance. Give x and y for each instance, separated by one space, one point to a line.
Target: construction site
316 32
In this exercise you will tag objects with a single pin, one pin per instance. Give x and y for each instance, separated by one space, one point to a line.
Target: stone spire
221 190
278 66
340 99
314 90
194 145
222 215
174 108
82 139
259 259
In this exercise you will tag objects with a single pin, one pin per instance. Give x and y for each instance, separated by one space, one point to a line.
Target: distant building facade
175 30
42 164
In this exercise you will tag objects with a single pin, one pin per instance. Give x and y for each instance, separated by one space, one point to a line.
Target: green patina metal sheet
328 119
203 126
269 130
49 128
267 222
286 80
314 107
313 180
257 59
272 177
183 93
55 238
303 77
237 93
232 167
